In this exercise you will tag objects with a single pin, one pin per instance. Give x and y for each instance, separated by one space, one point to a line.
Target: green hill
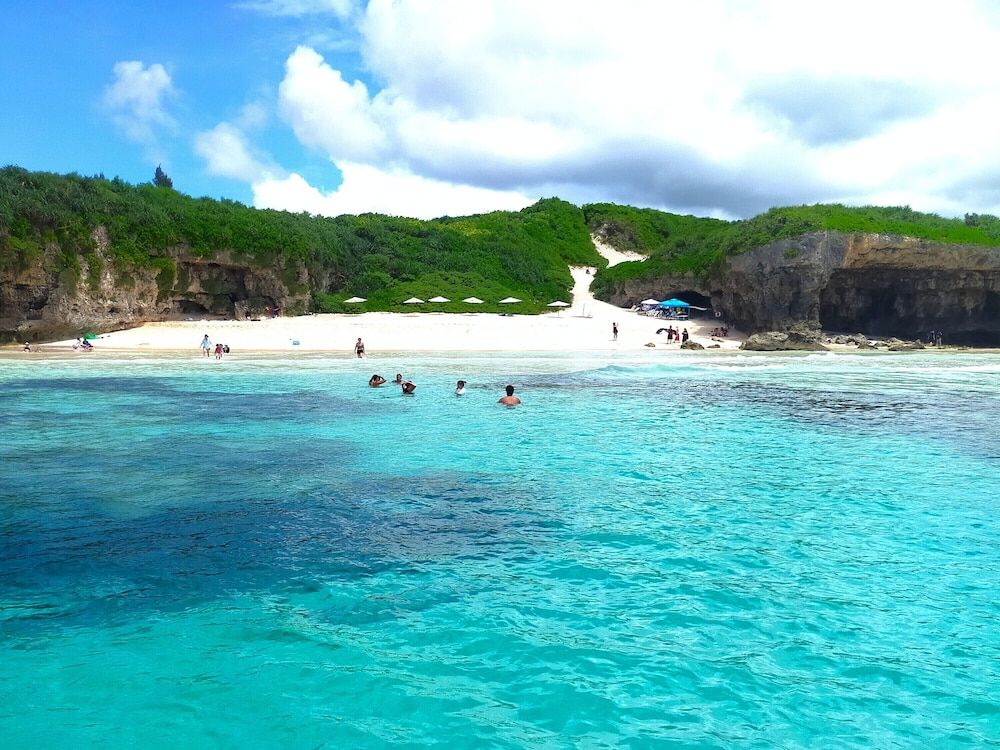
678 244
47 221
386 259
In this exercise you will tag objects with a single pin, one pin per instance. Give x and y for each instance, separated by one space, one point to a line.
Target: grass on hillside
386 259
678 244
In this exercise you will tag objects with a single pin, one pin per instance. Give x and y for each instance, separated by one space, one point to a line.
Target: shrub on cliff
384 258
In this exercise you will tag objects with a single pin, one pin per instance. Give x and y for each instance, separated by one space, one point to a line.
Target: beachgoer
27 347
86 345
376 381
408 388
510 399
225 348
614 331
684 336
218 351
460 388
206 345
399 379
359 348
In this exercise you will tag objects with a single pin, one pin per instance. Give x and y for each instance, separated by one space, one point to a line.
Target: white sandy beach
584 326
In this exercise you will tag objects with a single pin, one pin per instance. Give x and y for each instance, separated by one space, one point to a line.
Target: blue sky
58 59
432 107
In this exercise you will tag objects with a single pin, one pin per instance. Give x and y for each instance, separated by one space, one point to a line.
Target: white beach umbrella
439 299
509 300
560 304
650 302
354 300
473 300
413 301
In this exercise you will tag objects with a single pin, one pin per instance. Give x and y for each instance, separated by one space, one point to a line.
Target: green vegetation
687 244
51 219
160 178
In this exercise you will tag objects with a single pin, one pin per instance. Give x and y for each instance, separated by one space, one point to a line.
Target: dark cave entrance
190 307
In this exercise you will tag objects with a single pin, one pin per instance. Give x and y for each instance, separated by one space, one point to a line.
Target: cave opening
190 307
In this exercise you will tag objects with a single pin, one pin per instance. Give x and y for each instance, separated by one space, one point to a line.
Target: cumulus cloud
368 189
717 107
136 100
325 111
228 153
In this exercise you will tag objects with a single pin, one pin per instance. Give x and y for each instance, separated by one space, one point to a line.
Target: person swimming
510 399
460 388
399 379
408 388
376 381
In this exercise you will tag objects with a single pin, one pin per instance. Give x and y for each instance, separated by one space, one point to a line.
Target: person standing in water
460 388
206 346
510 399
359 348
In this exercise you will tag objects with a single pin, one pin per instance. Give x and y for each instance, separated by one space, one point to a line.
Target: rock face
36 303
689 344
798 338
880 285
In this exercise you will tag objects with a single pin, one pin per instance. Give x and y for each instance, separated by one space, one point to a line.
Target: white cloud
325 111
367 189
227 153
719 106
136 100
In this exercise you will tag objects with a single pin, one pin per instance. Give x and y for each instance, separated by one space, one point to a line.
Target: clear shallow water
728 551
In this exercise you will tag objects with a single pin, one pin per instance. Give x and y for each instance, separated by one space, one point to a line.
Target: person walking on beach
206 346
684 336
359 348
510 399
614 331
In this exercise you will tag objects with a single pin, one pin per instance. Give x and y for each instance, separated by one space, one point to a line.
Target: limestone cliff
38 303
881 285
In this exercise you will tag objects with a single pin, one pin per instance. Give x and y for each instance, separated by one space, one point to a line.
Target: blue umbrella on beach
674 302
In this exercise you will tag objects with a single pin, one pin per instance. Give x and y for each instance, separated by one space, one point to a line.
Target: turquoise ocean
705 551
